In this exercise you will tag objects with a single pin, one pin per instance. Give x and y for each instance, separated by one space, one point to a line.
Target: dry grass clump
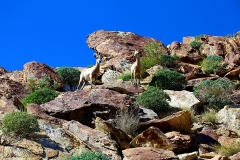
227 150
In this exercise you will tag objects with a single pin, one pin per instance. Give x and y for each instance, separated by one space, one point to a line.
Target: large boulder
149 153
152 137
180 121
36 70
84 105
94 139
119 44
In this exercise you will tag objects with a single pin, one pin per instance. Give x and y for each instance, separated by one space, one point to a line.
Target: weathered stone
3 71
110 76
149 153
181 143
51 153
209 155
228 141
235 156
119 44
94 139
118 135
83 105
153 70
152 137
117 64
14 76
31 146
230 117
187 68
193 82
233 73
180 121
147 115
188 156
36 70
182 99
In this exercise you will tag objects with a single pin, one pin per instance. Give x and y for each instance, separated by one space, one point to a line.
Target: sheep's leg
131 78
91 79
80 81
84 83
134 78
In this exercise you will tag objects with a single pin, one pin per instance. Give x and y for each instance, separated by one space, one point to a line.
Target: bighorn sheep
91 74
136 69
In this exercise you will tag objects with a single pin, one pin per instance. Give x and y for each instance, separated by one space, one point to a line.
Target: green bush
215 93
90 156
69 75
153 51
43 82
168 79
196 45
154 98
40 96
212 64
125 77
19 123
168 60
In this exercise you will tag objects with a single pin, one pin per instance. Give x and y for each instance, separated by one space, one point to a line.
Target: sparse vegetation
212 64
168 60
155 99
90 156
128 120
215 93
40 96
44 82
195 44
69 75
89 66
19 123
168 79
210 116
227 150
153 51
125 76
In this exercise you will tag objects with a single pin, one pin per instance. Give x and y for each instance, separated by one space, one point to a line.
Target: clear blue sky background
54 32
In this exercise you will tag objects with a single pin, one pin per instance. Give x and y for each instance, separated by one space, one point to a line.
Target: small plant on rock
40 96
215 93
210 116
212 64
90 156
227 150
195 44
69 75
168 79
168 60
19 123
125 77
155 99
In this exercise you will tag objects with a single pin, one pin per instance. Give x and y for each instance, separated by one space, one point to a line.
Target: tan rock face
121 138
14 76
148 153
36 70
180 121
180 142
96 140
152 137
3 71
119 44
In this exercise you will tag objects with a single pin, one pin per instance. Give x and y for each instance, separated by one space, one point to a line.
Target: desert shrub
168 79
168 60
19 123
215 93
40 96
44 82
153 51
125 76
195 44
128 120
155 99
227 150
212 64
69 75
90 156
210 116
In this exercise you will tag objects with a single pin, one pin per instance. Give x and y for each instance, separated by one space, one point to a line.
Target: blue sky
54 32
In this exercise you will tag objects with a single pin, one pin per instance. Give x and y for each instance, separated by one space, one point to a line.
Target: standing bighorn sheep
136 69
91 74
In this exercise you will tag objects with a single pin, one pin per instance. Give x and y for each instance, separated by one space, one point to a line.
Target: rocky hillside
83 120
